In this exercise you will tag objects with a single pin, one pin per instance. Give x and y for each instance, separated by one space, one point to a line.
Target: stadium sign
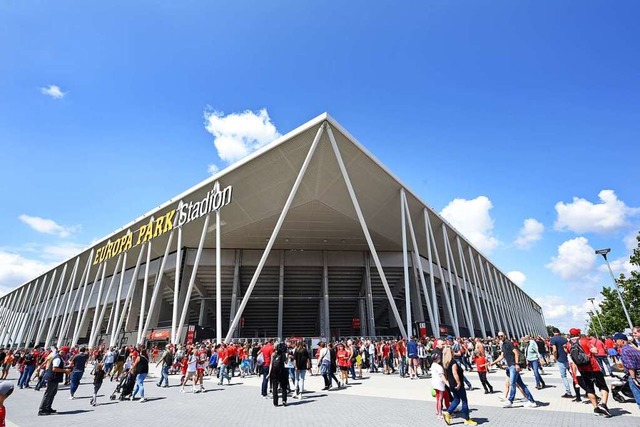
184 213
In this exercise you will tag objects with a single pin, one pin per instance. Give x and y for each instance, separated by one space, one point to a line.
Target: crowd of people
583 361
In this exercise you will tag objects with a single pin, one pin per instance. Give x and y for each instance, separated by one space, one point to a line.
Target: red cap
574 332
65 349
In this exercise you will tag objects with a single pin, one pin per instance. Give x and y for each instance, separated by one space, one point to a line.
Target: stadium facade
310 236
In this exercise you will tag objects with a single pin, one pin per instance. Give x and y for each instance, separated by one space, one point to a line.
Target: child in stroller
125 386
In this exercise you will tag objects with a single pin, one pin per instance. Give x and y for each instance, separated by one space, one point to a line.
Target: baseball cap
449 337
6 388
619 336
574 332
65 349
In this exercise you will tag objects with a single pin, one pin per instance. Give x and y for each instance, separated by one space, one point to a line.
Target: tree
611 313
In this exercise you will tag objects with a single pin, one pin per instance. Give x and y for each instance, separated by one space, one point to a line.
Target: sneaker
599 411
447 417
71 397
508 404
605 409
470 422
567 396
131 398
284 403
530 404
142 400
577 399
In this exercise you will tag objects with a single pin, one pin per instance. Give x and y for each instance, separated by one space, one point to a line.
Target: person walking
558 346
533 357
79 362
511 356
438 382
278 374
167 361
266 351
98 378
54 376
454 375
630 358
192 361
324 365
29 365
302 363
481 366
140 368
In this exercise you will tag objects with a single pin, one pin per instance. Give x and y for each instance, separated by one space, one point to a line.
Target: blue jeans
535 367
25 377
164 375
372 364
74 381
401 366
265 379
139 385
459 395
300 374
224 373
516 379
635 390
563 367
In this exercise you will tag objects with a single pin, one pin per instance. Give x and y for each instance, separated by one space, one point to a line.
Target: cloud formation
472 219
517 277
530 232
213 169
236 135
16 269
575 260
558 312
47 226
582 216
53 91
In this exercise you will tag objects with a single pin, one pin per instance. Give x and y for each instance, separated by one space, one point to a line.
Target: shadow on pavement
74 412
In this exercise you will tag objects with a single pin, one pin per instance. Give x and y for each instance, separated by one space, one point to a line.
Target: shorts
5 367
190 375
344 368
587 380
200 371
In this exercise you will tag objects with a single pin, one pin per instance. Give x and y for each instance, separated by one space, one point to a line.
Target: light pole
596 314
604 253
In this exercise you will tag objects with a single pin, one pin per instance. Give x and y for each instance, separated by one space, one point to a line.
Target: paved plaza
376 400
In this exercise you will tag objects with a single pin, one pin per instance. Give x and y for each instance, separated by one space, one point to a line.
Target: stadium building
310 236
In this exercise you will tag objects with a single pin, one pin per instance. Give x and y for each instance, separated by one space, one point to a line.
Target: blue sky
509 107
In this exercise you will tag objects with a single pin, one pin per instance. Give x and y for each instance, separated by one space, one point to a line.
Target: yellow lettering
128 241
95 259
168 221
109 248
148 234
159 222
141 234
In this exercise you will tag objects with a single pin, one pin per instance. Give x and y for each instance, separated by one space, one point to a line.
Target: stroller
124 387
620 389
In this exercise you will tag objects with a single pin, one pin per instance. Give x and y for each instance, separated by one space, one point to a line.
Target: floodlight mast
604 253
596 312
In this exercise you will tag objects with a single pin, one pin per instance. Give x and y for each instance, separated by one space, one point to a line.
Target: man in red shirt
385 357
401 353
590 373
266 351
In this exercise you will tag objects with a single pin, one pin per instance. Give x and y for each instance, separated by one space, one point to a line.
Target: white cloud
213 169
47 226
620 265
582 216
530 232
238 134
53 91
565 314
517 277
575 260
631 241
472 219
16 269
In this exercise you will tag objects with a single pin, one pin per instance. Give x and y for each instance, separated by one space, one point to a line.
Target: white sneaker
508 404
142 400
531 404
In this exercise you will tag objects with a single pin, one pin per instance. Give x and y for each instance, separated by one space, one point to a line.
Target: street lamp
604 253
596 312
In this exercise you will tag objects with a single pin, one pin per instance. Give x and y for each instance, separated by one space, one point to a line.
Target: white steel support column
462 287
365 230
474 288
84 279
36 307
236 284
510 305
218 279
115 307
325 296
418 263
54 307
281 295
530 327
98 301
29 311
371 321
431 238
405 265
42 308
274 234
434 297
176 287
18 318
505 303
508 328
513 305
445 239
156 290
490 295
143 303
68 293
480 297
521 311
100 311
82 318
192 280
497 301
7 317
127 300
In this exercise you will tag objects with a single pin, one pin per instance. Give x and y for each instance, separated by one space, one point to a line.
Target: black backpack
277 364
578 355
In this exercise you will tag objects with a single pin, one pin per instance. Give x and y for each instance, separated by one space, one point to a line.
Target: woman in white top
438 384
192 361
